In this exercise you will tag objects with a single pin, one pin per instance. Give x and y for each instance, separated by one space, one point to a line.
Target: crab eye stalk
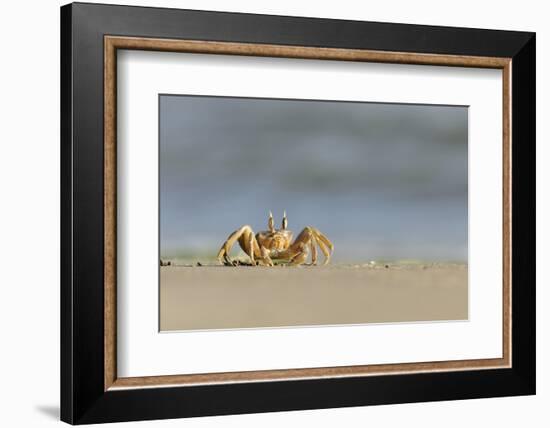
285 221
270 222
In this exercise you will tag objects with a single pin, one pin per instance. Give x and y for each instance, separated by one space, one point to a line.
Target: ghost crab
275 245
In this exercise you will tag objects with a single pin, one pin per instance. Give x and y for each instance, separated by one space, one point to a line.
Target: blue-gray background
382 181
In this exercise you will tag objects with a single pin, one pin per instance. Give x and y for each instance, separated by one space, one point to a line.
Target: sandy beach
220 297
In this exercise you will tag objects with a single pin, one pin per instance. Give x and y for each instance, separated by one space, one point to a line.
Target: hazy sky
382 181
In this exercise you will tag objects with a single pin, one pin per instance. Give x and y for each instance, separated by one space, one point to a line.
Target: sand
220 297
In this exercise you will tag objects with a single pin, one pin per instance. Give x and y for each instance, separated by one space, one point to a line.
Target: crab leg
300 258
247 241
313 249
310 237
299 250
265 256
325 251
249 244
323 239
324 244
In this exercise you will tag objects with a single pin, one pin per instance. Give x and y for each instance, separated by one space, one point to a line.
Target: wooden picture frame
91 390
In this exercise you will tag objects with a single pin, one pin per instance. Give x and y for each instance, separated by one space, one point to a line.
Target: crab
275 246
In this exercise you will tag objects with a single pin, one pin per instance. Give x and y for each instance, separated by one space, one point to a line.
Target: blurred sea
382 181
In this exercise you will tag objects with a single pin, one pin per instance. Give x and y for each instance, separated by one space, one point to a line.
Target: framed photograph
265 213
